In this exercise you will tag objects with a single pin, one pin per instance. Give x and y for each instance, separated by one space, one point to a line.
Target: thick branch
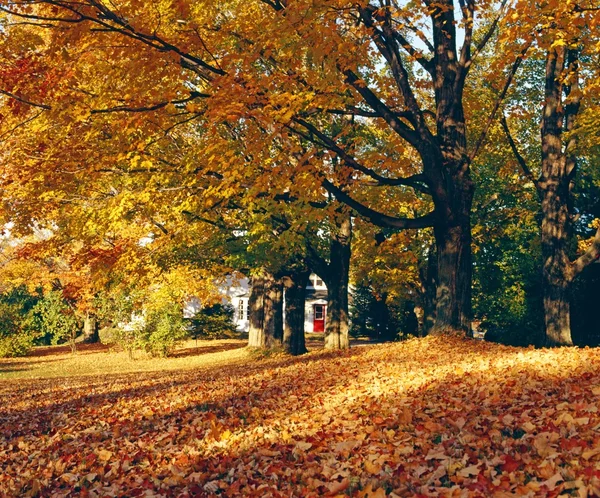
488 35
376 217
154 107
386 43
586 259
416 181
390 117
468 11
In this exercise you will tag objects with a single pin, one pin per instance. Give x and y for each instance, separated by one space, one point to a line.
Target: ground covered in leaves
427 417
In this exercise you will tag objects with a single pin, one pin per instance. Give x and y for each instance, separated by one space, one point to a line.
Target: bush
16 336
16 345
54 319
157 332
164 329
214 322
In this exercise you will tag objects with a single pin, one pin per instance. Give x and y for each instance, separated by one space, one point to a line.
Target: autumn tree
566 39
333 67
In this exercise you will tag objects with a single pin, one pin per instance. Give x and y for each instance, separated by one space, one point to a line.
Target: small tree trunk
91 329
276 296
256 313
295 299
429 293
263 315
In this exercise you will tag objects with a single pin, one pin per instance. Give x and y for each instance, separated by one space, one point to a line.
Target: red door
319 320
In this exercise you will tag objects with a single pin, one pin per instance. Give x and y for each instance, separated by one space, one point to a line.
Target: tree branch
499 100
418 182
25 101
155 107
487 37
390 117
376 217
520 159
587 258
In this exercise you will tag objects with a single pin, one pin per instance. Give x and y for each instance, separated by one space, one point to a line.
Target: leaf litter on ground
427 417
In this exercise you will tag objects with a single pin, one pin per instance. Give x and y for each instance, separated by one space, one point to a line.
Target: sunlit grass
53 361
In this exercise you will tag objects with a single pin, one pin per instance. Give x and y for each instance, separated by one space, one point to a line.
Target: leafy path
428 417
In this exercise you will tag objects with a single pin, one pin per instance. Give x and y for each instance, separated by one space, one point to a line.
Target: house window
243 310
319 312
318 282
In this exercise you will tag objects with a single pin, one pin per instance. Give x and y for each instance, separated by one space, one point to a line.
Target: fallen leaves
393 420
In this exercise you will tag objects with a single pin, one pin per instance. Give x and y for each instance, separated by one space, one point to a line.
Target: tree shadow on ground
63 349
20 366
207 349
76 390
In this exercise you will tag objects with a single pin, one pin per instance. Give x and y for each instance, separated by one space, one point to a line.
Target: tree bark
554 189
276 298
295 302
454 275
265 313
337 279
429 284
256 313
91 329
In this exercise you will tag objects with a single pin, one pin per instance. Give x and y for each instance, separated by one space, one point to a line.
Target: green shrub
157 332
53 318
214 322
164 330
16 345
16 336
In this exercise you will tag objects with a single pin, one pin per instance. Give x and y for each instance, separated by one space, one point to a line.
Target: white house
315 309
239 294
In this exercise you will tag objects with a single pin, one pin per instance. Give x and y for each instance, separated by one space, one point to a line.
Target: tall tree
307 61
567 38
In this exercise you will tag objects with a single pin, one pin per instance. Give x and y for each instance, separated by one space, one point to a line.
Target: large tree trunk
337 320
337 279
91 329
295 301
553 186
454 274
264 315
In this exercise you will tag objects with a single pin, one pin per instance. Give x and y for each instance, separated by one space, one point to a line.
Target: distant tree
54 318
16 334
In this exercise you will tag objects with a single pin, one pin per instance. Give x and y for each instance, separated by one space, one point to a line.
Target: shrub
163 330
53 318
214 322
16 345
157 332
16 336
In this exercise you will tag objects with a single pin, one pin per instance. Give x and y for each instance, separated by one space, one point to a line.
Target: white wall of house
237 293
240 316
318 290
191 307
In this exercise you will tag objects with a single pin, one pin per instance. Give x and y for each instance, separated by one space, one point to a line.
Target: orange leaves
393 420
